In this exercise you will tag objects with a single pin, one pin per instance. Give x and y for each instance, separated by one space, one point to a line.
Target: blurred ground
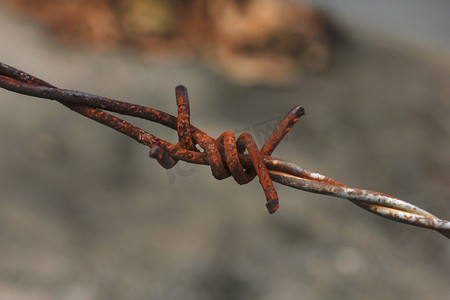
85 214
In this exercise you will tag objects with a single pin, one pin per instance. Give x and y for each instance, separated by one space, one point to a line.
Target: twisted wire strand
225 155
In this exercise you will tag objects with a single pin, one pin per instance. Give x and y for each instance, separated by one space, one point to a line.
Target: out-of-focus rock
266 40
251 41
78 22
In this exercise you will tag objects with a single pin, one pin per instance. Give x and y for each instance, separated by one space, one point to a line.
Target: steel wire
225 155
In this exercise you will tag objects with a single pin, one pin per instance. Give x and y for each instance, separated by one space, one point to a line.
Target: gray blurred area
85 214
413 21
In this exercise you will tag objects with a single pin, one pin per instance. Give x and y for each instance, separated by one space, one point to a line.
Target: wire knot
223 153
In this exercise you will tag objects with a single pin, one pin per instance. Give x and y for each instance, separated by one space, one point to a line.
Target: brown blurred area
245 40
85 214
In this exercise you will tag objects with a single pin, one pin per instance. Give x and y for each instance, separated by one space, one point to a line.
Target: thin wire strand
224 155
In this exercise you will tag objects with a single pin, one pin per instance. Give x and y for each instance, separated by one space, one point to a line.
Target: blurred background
85 214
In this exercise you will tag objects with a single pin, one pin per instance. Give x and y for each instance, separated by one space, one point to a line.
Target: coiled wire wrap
223 153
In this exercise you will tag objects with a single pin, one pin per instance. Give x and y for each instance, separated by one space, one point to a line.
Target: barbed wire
225 155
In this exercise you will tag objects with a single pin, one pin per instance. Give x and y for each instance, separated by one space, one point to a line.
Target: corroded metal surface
377 203
225 155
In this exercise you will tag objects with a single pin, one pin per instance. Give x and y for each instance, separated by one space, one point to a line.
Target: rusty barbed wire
225 155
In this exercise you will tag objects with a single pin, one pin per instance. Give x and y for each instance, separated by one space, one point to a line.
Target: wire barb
226 156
